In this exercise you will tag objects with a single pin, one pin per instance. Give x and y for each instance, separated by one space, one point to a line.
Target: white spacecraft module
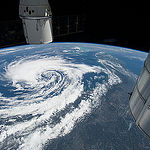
36 17
140 99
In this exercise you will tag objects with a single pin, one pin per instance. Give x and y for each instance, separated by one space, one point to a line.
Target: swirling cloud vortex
47 99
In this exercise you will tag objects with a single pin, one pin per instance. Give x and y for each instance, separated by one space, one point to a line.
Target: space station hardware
36 17
140 99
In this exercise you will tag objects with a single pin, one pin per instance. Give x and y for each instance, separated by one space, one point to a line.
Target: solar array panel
65 25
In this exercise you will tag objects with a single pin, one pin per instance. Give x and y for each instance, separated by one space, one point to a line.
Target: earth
69 96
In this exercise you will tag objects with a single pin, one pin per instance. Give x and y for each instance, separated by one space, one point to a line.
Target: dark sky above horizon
106 19
9 9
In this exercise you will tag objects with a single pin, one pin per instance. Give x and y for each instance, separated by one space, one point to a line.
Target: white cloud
52 84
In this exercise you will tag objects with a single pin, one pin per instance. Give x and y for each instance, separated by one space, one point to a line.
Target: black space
122 23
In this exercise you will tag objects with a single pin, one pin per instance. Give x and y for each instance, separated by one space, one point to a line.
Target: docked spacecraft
36 17
140 99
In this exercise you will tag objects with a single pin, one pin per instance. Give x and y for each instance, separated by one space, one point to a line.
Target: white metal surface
36 17
140 99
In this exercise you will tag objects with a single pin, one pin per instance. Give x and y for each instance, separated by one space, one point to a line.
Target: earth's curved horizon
69 96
